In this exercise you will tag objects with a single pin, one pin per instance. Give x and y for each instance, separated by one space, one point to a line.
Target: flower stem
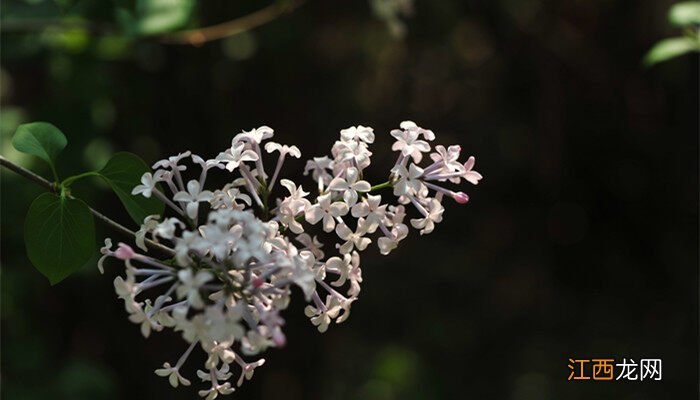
384 185
55 188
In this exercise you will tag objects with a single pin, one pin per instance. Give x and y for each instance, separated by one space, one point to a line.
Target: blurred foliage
581 240
684 15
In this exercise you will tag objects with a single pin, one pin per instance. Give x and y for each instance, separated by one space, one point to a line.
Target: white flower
347 268
297 196
387 244
228 279
372 210
149 224
235 155
407 141
349 186
427 224
106 251
139 316
207 164
353 239
255 135
229 197
216 390
395 215
312 245
248 369
193 196
469 174
409 182
173 375
326 211
167 228
358 133
283 149
321 317
127 290
190 285
302 274
410 125
218 352
254 343
172 162
148 184
319 167
221 374
449 161
352 153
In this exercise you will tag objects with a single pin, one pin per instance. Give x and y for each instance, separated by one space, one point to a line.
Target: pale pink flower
235 155
469 174
353 239
407 142
371 210
350 186
326 211
427 223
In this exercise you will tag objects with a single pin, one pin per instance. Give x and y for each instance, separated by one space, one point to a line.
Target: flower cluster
231 256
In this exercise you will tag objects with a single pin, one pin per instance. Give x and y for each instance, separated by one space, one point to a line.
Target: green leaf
684 14
159 16
123 172
670 48
59 234
40 139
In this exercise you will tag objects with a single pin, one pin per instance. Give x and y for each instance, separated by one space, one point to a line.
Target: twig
194 37
199 36
53 188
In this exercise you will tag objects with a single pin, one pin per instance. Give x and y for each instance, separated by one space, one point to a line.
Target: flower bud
279 338
124 252
461 197
257 282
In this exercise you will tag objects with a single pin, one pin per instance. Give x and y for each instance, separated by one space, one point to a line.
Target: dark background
580 242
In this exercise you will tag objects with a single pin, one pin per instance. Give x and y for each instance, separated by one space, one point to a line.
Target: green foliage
683 15
153 17
122 172
40 139
59 231
670 48
59 234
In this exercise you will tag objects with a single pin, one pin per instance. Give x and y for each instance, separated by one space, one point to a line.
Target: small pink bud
279 338
461 197
124 252
257 282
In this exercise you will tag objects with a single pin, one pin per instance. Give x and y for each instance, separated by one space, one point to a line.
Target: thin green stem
71 179
53 171
380 186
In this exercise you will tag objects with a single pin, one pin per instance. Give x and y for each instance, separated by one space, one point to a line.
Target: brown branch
19 170
199 36
194 37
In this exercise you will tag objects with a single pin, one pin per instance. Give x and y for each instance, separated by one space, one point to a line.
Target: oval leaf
123 172
59 234
670 48
684 14
41 139
158 16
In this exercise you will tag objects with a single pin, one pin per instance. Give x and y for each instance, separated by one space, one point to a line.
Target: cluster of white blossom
232 256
